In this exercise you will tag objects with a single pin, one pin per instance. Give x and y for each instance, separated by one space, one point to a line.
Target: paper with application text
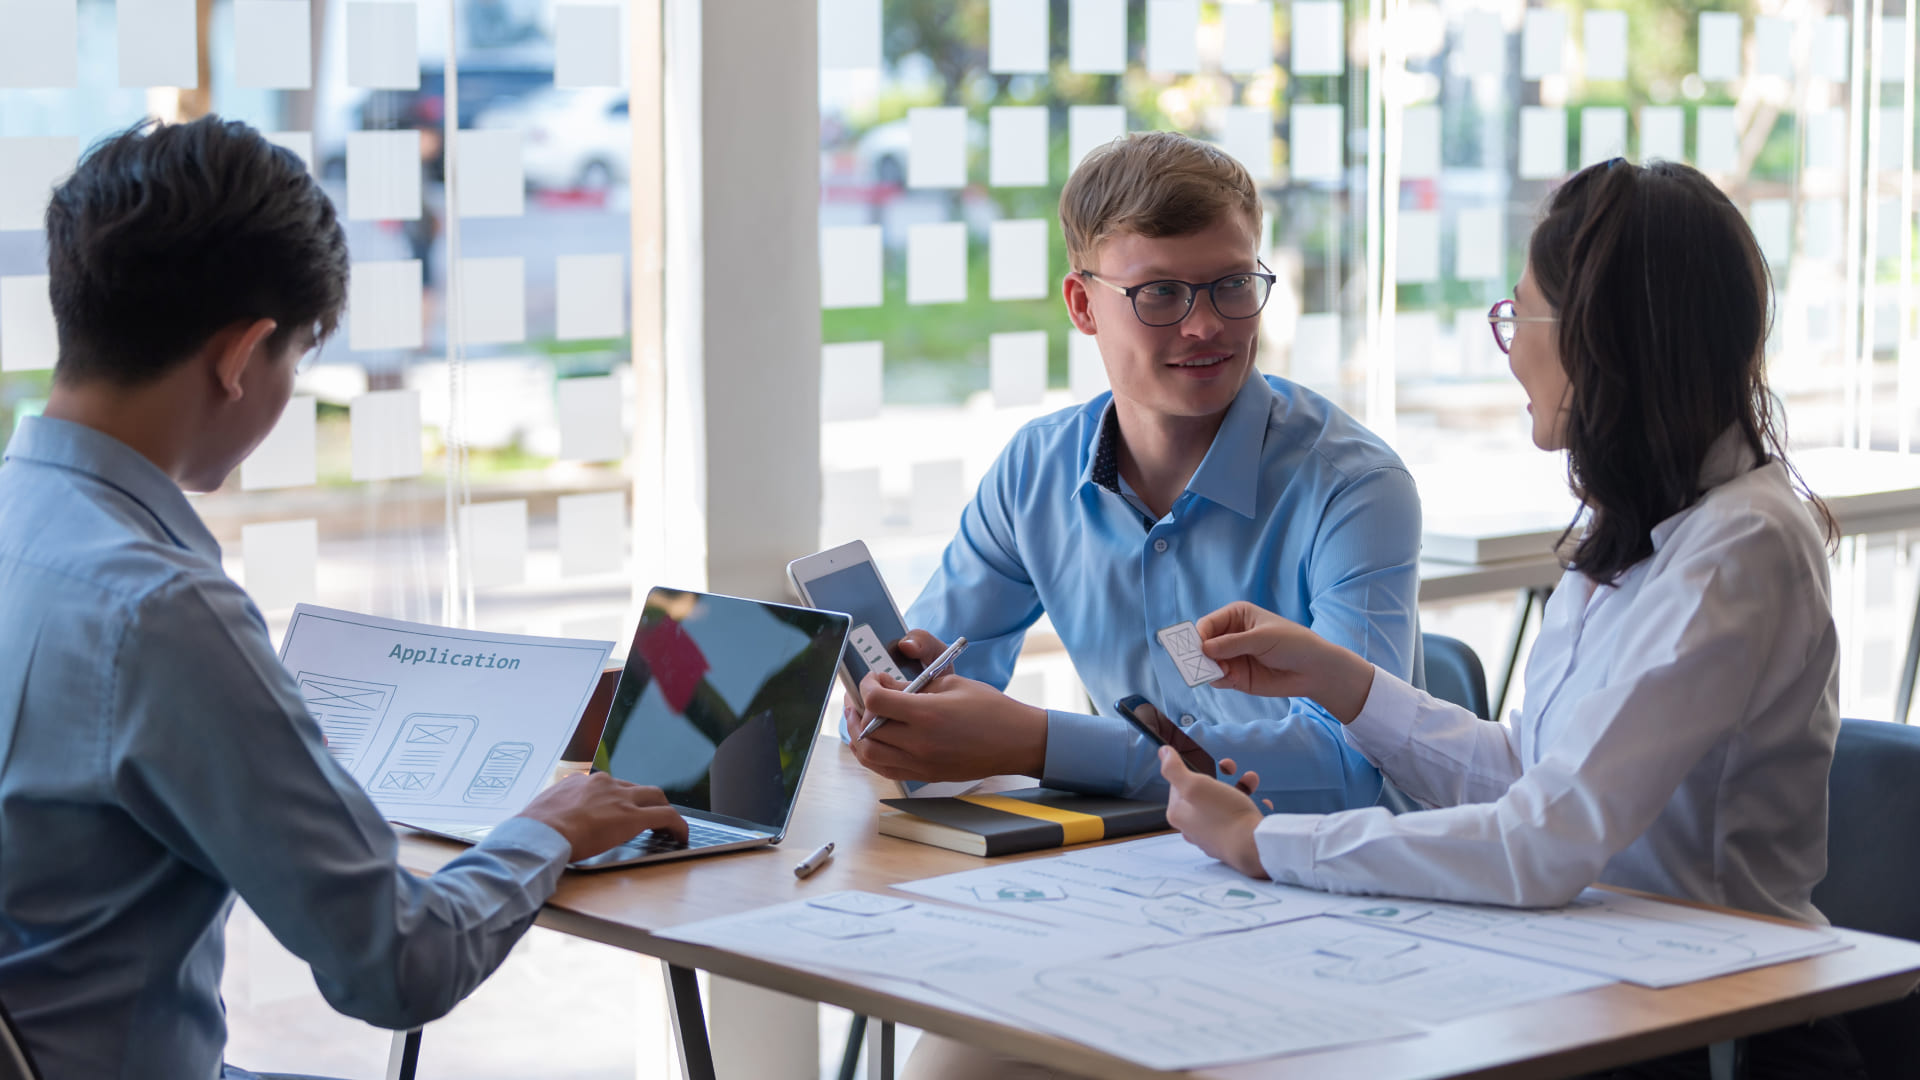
441 726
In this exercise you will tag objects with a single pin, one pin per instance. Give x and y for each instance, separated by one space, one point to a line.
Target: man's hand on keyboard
596 812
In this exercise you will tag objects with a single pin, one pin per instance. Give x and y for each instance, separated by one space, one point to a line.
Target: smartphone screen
874 641
1157 726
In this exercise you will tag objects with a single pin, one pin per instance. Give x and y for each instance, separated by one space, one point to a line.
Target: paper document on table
1625 937
450 725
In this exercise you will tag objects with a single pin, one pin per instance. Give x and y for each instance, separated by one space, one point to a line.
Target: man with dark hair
155 758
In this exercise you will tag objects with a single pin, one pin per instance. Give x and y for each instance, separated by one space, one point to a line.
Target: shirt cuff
1085 753
1381 730
1285 842
529 846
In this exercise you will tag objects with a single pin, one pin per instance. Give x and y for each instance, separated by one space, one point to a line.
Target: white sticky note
852 380
1826 139
385 433
1772 221
383 45
1543 40
937 263
1416 337
1090 127
586 45
1481 48
1773 46
1017 260
1603 134
939 492
383 305
1886 222
590 297
937 148
1097 37
31 166
1480 244
492 177
281 562
1017 146
273 45
159 43
1893 48
1831 48
1086 371
851 505
1247 134
285 458
1820 229
40 48
1606 45
493 300
300 142
494 535
1317 349
1173 36
29 340
850 35
850 266
383 175
1890 149
1017 368
1314 143
1663 133
1719 45
1716 140
1246 37
1319 38
593 533
589 411
1017 37
1474 345
1543 142
1420 143
1417 258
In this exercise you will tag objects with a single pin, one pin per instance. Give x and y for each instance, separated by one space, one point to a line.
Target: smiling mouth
1201 361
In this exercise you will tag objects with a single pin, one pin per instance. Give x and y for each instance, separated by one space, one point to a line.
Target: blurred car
573 140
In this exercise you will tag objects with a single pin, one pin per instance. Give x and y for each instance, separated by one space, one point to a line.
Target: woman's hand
1269 656
1217 818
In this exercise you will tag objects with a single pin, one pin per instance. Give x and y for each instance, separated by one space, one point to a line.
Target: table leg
404 1059
850 1057
689 1024
1727 1060
880 1052
1523 613
1903 699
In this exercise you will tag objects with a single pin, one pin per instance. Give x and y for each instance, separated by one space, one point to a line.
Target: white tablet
845 579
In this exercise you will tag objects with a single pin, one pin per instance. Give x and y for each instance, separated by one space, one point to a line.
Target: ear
1073 288
234 349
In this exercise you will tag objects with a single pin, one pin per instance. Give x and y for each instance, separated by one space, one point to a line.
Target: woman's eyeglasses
1164 303
1503 320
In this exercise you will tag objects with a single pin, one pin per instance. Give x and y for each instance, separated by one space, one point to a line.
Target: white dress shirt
1675 738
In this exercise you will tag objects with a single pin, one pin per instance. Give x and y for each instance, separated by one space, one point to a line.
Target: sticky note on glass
385 433
1017 146
937 148
1606 45
300 142
850 35
1246 37
1543 142
590 297
285 458
1090 127
383 175
1826 139
1420 143
1017 260
937 263
1820 229
28 339
1543 39
1317 349
273 45
852 380
31 166
1319 44
383 305
850 266
383 45
1247 133
1473 341
493 300
589 409
41 46
280 561
1481 48
1017 368
1719 45
1182 642
586 45
159 43
1772 221
1097 37
1314 141
492 177
1016 37
495 537
1773 46
1173 36
1886 220
1086 371
1831 48
1893 48
593 533
1417 260
1480 244
1663 133
1416 337
1890 148
1716 140
939 491
851 505
1603 134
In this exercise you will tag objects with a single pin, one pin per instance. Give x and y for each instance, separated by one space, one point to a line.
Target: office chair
1873 872
1454 674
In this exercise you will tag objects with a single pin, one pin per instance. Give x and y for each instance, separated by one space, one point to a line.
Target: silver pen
941 664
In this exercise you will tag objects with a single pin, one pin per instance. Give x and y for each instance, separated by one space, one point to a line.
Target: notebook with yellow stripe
1026 820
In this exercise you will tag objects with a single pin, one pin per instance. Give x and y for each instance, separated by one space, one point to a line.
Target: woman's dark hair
1664 307
168 233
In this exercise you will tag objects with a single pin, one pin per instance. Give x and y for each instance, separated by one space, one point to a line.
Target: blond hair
1152 183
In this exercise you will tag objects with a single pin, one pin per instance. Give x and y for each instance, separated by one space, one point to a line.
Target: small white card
1182 642
866 645
1247 134
41 48
273 45
1319 38
1090 127
1420 143
1086 371
1017 260
850 266
586 50
1017 146
383 45
937 263
849 35
1173 31
937 148
29 340
1016 37
1606 45
158 43
1246 37
1097 37
1543 37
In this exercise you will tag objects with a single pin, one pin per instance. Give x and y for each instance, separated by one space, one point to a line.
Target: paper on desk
1625 937
438 724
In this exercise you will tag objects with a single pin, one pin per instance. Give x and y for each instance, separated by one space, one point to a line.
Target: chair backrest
1873 871
14 1062
1454 674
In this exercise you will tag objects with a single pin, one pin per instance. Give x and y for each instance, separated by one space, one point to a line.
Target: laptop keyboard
699 834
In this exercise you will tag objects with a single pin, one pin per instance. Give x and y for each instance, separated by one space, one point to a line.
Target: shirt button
1290 877
1187 720
1160 545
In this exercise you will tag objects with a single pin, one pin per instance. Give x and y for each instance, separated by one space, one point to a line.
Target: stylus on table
814 861
932 671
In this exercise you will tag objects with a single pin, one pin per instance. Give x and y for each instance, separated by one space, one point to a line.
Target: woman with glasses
1681 700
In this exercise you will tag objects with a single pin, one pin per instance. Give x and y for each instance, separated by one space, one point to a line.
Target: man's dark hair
168 233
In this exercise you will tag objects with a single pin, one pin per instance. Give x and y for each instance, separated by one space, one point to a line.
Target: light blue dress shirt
155 759
1296 508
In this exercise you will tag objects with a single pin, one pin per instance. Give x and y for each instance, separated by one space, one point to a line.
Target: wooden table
1557 1037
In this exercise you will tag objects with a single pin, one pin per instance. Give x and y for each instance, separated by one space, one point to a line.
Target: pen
931 672
814 861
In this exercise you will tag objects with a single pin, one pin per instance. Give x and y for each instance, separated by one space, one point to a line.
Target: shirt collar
1729 458
1230 473
67 445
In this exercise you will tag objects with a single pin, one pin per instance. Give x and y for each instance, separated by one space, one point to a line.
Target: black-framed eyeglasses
1503 319
1165 303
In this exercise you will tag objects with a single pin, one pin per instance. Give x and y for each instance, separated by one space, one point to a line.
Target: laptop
718 706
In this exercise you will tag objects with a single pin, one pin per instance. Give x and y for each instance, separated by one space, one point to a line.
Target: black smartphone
1156 725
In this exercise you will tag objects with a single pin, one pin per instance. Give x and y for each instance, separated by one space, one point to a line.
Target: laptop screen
720 702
